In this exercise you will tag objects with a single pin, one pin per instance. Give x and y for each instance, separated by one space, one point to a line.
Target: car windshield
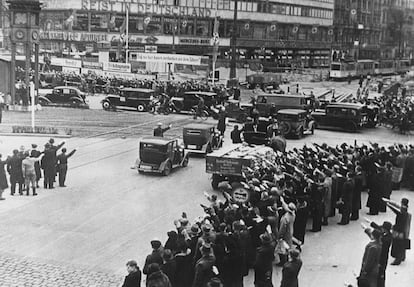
150 147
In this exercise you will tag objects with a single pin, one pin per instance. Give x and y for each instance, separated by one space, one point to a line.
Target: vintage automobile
202 138
188 100
160 155
237 110
348 116
129 97
269 104
64 95
295 122
228 163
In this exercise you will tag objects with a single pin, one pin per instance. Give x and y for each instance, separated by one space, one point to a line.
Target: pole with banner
127 34
215 44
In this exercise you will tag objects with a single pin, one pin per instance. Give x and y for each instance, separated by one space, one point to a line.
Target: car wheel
185 161
75 103
285 128
167 169
140 108
42 102
106 105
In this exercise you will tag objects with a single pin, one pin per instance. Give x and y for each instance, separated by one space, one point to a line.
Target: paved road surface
109 213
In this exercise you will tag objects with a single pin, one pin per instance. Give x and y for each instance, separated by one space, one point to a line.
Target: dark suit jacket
133 279
290 273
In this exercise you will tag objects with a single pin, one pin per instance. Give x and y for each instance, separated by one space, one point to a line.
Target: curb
35 135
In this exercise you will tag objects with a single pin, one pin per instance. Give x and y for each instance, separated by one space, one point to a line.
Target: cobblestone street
18 271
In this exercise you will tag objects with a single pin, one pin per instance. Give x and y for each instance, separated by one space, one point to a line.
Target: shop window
80 21
202 28
169 25
187 26
154 26
116 22
99 22
136 24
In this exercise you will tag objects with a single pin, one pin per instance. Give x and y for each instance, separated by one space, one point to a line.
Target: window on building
80 21
116 22
202 27
259 31
187 26
136 24
246 29
99 22
154 26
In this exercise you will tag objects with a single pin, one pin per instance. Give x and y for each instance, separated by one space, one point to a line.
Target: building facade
397 36
373 29
357 29
274 33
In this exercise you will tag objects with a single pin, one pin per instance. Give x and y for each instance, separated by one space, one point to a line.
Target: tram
342 70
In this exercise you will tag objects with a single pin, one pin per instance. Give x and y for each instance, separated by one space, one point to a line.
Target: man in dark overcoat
263 266
14 168
346 197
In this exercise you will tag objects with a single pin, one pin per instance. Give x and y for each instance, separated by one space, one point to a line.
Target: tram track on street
141 131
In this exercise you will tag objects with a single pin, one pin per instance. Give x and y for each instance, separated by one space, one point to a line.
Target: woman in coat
3 178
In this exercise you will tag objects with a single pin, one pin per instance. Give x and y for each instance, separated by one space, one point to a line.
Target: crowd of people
285 191
25 167
393 109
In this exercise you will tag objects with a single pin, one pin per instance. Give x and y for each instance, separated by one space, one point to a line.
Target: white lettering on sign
74 36
169 58
143 8
194 41
117 67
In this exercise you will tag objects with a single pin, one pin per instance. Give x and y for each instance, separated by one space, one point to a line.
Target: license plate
122 99
146 167
192 146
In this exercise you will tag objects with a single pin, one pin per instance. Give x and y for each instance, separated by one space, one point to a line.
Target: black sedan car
65 96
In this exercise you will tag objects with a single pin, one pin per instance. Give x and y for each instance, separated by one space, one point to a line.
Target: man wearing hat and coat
159 131
346 198
204 266
154 257
14 168
133 279
401 230
36 153
263 266
386 240
370 262
291 270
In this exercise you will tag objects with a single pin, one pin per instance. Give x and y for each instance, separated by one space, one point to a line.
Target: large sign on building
169 58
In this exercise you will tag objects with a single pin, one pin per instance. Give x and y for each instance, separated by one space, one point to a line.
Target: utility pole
233 43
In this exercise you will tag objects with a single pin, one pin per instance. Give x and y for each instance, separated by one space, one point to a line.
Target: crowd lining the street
314 182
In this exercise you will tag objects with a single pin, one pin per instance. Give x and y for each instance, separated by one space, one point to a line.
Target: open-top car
129 97
64 95
295 122
161 155
203 138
